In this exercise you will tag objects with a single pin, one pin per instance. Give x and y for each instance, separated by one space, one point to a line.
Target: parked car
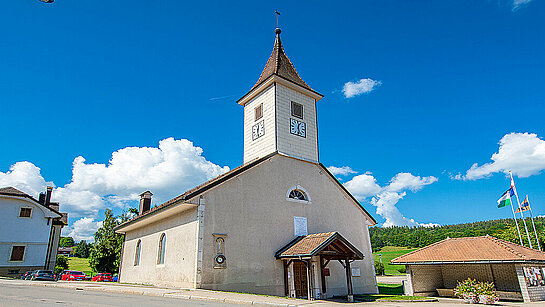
42 275
73 275
29 276
115 278
58 276
103 277
24 276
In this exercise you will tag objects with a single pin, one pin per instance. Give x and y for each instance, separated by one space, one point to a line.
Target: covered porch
305 261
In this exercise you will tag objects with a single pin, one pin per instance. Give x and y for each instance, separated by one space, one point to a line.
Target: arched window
137 253
299 194
162 246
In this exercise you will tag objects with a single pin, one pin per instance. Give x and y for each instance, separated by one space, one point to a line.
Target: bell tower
280 111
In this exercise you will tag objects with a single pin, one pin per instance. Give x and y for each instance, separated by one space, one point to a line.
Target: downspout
200 241
49 246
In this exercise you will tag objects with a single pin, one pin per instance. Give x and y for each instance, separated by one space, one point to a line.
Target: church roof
280 65
471 250
330 244
222 178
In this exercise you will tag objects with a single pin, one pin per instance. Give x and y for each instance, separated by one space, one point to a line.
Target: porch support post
309 281
286 285
349 281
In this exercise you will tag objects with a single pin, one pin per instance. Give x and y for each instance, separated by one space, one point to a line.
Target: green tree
106 251
67 242
379 268
61 264
83 249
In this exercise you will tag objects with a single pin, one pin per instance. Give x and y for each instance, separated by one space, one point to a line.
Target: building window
17 253
298 194
137 253
162 246
25 212
259 112
297 109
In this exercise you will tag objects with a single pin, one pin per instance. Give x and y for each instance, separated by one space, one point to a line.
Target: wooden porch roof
330 245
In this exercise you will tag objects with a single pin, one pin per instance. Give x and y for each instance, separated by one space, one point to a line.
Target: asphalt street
24 295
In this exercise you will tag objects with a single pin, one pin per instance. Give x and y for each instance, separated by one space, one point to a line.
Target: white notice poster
356 272
300 226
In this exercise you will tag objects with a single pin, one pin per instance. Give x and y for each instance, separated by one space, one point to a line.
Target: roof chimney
145 202
48 196
41 198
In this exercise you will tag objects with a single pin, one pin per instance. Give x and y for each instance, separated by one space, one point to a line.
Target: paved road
25 295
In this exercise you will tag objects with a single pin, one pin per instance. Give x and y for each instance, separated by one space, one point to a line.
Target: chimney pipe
145 202
48 196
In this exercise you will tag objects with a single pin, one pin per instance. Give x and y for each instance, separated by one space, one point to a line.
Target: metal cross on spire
277 15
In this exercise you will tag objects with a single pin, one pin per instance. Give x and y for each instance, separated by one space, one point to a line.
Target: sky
427 104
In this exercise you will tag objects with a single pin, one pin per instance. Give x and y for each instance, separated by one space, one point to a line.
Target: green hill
388 253
416 237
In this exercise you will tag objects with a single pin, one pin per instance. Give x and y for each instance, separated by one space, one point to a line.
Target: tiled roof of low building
471 249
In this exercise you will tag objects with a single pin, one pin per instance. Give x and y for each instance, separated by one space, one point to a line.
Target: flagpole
521 214
516 223
533 224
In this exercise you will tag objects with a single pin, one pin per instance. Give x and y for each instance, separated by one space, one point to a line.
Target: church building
280 224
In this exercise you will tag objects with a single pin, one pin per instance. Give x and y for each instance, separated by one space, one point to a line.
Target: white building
280 224
30 230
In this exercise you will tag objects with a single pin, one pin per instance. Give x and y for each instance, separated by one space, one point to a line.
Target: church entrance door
300 279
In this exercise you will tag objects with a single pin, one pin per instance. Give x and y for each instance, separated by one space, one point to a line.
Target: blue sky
451 79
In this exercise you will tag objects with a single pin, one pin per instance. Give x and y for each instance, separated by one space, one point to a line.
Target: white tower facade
280 112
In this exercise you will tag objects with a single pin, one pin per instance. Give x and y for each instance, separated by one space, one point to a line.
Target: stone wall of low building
425 278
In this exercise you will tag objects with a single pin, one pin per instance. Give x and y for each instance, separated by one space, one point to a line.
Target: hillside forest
416 237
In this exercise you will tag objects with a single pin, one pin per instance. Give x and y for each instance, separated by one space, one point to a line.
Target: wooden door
300 279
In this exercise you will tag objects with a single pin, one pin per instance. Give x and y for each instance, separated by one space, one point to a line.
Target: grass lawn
389 292
80 264
388 253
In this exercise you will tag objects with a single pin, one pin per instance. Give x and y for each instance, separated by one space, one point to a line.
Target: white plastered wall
252 210
180 252
267 143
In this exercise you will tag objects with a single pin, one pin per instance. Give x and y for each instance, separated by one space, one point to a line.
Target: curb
174 294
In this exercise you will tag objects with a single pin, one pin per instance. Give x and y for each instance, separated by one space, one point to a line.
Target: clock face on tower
258 130
298 128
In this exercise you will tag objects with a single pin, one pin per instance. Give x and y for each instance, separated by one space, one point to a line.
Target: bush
61 264
473 291
402 270
379 268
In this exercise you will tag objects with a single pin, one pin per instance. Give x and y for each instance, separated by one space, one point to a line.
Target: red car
73 275
103 277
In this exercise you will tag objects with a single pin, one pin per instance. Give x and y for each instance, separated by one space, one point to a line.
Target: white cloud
82 229
404 181
519 3
167 170
26 177
342 171
363 186
352 89
522 153
386 198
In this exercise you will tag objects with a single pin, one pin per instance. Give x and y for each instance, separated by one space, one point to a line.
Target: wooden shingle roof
471 250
